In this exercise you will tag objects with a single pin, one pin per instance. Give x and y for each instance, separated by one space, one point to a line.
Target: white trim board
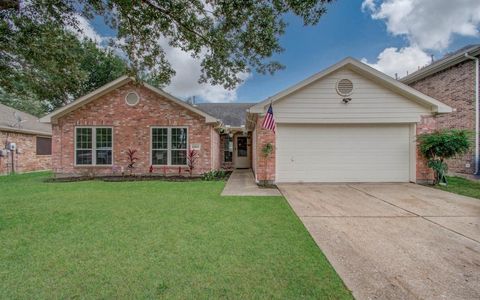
367 72
52 117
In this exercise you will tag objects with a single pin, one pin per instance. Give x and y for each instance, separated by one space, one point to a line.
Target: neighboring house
25 143
454 81
347 123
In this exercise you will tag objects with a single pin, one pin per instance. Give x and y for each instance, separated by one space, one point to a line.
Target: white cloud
188 69
400 61
368 5
85 30
185 82
428 24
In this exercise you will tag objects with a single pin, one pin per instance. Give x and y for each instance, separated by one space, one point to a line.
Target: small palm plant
132 159
192 157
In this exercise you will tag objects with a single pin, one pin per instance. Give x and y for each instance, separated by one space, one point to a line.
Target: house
347 123
454 81
25 143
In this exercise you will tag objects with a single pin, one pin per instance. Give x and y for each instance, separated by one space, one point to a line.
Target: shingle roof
233 114
28 123
450 59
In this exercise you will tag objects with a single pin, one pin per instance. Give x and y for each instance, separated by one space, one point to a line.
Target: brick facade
131 130
264 166
25 158
455 87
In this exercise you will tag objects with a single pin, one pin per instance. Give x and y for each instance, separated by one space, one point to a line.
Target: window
159 146
93 146
44 146
228 149
169 146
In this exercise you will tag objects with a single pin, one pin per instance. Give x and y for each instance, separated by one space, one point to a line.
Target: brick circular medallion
344 87
132 98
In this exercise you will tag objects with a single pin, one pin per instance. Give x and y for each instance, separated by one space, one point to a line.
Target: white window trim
169 145
94 147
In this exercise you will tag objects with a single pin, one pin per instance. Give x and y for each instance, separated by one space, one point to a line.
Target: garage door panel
342 153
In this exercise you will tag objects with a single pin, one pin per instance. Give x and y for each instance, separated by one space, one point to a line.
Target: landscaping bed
152 177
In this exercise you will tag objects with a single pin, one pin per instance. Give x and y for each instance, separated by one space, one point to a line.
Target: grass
175 240
462 186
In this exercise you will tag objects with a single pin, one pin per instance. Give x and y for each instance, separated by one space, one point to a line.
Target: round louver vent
344 87
132 98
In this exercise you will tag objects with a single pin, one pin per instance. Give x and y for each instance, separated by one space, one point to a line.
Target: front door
242 152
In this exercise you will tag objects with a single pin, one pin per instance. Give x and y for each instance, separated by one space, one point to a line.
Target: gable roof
29 124
231 114
447 61
52 117
367 72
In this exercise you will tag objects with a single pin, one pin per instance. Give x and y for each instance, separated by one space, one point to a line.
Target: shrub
192 157
438 146
132 159
214 175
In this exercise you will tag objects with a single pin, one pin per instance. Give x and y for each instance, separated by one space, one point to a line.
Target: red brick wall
26 160
216 157
131 129
455 87
264 166
424 174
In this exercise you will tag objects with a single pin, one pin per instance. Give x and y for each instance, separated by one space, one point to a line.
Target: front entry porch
242 183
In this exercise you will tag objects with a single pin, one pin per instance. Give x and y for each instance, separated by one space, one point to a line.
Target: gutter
477 110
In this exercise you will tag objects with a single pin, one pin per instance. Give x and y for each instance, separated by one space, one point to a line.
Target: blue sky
412 30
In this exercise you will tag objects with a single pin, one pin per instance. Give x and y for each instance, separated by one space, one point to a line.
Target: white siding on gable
371 103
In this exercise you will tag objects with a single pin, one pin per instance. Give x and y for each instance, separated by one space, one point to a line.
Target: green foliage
438 146
267 149
43 66
462 186
214 175
229 37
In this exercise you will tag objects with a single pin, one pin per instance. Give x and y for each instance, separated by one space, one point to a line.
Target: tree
439 146
230 37
43 66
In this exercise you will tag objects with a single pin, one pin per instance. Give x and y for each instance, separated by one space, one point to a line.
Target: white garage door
342 153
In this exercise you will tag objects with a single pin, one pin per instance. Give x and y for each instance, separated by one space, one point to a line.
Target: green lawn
153 240
462 186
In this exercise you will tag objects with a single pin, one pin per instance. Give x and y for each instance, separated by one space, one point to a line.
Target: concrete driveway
394 241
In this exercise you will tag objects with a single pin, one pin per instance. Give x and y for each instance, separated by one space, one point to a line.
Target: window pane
227 148
159 138
228 156
84 157
179 138
159 157
104 157
242 146
104 138
84 138
179 157
44 146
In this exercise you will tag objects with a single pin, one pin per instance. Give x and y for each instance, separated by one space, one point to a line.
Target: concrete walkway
242 183
394 241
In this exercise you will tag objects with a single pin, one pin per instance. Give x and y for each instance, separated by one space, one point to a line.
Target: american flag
269 121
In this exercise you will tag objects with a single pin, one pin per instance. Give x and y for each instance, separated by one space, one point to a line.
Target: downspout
477 110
